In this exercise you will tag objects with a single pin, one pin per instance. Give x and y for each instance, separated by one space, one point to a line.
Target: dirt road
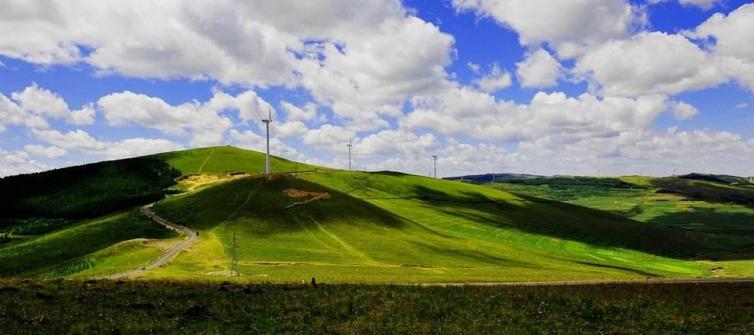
190 238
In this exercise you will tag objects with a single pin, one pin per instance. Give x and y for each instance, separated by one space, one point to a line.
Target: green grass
35 255
161 307
395 228
224 159
118 258
389 228
726 229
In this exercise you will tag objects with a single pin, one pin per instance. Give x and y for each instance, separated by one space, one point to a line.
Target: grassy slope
41 253
398 228
84 248
224 159
376 228
724 227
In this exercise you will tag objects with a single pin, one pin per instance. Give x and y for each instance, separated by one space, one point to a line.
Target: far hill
307 221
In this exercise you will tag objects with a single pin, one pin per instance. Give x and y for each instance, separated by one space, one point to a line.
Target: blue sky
612 87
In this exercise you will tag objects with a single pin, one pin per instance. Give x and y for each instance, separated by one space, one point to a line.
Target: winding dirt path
191 237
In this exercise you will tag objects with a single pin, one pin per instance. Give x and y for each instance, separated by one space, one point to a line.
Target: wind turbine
434 160
349 145
267 126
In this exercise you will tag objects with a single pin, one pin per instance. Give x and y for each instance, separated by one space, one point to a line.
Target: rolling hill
337 226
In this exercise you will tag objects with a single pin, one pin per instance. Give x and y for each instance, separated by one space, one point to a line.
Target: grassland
702 214
65 251
395 228
388 227
28 307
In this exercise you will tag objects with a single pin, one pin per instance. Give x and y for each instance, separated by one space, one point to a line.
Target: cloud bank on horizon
609 87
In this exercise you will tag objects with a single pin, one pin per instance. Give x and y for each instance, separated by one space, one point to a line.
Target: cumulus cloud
568 26
250 140
493 81
479 115
49 152
203 122
703 4
538 70
328 136
80 140
14 162
34 105
731 42
361 58
684 111
649 63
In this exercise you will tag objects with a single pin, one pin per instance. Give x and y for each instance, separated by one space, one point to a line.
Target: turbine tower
349 145
267 126
434 160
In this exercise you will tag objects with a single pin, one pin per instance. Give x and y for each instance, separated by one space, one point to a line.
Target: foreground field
167 307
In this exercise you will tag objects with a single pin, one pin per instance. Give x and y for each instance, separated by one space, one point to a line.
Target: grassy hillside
707 190
695 207
41 252
85 191
341 226
386 227
226 159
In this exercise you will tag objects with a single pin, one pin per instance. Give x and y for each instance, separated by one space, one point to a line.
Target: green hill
337 226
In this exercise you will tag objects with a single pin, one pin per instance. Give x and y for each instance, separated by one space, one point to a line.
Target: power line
234 257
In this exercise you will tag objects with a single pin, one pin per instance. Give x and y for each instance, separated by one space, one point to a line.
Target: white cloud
253 141
479 115
49 152
375 71
38 102
328 136
17 162
493 81
361 58
201 121
703 4
538 70
289 129
568 26
732 47
684 111
80 140
295 113
649 63
395 142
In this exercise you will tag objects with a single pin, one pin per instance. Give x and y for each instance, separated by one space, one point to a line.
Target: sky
554 87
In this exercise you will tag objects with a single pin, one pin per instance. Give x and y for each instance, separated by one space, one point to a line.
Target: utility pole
234 257
349 145
267 126
434 160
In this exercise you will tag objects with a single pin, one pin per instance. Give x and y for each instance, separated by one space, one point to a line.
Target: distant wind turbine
349 145
434 160
267 126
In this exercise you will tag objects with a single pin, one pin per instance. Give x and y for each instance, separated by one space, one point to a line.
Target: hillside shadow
729 236
706 191
262 207
571 222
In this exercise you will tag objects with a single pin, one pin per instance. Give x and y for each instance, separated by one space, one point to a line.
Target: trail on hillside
190 238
